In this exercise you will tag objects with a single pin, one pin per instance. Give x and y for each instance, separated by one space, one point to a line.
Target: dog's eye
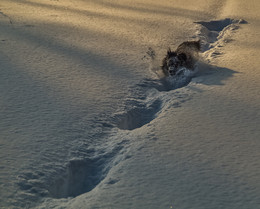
171 62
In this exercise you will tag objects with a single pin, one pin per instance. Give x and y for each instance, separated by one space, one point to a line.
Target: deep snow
87 122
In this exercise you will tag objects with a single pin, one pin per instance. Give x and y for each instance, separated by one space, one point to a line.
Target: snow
87 120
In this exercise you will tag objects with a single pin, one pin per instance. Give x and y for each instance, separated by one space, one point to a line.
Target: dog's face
173 62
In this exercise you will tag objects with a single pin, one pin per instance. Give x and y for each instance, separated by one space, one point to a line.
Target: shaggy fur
185 56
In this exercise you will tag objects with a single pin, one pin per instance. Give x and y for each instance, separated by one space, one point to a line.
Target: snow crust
88 121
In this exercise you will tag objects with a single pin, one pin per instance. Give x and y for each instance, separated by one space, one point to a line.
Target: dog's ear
182 57
169 52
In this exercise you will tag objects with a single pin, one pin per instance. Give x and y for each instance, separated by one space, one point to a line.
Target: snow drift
86 122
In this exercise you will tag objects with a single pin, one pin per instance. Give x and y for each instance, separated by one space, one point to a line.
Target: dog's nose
171 72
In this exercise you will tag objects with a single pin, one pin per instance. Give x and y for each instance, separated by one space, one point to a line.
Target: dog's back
191 49
189 46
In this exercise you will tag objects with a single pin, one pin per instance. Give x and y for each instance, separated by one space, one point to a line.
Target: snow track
148 100
214 34
80 176
138 116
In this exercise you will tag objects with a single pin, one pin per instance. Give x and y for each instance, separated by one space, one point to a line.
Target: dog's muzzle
172 71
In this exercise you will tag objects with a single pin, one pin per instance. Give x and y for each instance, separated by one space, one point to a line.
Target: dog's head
173 62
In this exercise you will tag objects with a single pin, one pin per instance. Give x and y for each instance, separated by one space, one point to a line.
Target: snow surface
87 120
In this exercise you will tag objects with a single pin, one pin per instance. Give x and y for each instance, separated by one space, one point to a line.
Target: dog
185 56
